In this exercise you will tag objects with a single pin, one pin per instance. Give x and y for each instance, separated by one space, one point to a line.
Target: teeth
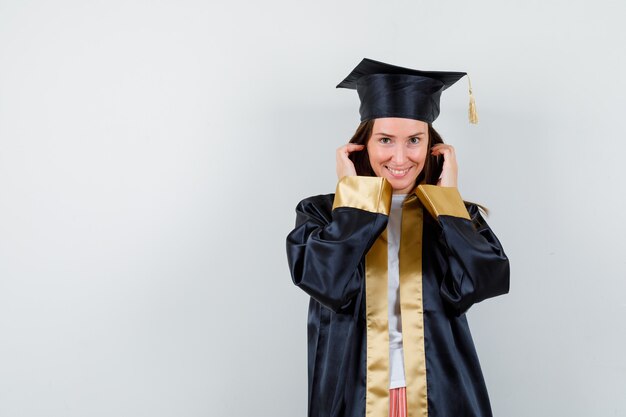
398 172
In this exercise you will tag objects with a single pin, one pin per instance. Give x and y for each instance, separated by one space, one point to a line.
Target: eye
414 141
384 140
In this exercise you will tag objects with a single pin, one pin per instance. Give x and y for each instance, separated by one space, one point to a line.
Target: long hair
432 165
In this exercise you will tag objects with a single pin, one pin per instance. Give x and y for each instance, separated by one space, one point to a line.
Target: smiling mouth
398 172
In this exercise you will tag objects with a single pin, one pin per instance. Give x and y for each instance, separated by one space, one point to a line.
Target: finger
442 146
445 153
447 150
349 147
353 147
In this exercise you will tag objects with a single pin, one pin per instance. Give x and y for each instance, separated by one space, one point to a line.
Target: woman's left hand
450 170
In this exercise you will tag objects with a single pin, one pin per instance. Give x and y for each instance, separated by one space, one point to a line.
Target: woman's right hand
345 167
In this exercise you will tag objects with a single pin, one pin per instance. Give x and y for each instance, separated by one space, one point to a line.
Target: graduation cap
387 90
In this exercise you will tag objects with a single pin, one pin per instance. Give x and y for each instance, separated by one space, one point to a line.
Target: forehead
399 126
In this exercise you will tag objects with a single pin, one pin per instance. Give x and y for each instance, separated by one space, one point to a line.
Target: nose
399 155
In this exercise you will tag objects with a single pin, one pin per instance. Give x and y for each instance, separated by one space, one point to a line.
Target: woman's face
397 151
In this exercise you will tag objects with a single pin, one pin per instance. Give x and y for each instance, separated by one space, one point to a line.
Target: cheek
375 155
418 156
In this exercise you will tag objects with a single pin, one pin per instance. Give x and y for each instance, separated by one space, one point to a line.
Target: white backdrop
152 155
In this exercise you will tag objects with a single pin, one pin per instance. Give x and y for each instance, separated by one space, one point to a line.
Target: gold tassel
473 113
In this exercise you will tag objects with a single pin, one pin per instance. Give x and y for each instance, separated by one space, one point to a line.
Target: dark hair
432 165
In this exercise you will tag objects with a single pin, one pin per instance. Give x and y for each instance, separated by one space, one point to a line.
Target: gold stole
411 307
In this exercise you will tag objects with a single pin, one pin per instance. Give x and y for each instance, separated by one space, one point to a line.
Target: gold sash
411 306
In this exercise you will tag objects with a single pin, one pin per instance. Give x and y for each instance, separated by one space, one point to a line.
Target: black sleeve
324 249
478 268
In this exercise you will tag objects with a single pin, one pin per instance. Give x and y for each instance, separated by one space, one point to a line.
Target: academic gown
449 260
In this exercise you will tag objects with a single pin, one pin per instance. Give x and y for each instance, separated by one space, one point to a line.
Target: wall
152 154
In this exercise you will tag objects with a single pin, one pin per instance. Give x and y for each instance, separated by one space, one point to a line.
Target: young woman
393 260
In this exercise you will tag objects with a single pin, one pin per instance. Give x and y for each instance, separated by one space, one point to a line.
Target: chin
403 187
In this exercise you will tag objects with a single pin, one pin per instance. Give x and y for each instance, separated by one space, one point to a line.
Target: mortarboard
387 90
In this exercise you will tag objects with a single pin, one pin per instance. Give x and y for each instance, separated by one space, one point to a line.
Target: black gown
449 259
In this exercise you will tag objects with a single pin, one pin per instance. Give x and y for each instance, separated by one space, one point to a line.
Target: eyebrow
392 136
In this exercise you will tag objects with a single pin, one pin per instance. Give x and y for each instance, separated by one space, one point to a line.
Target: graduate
393 260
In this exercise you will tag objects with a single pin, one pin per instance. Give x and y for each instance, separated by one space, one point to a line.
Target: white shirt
396 358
